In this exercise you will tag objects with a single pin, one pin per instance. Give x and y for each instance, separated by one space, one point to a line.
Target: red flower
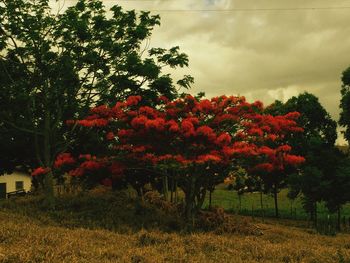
173 126
110 136
148 111
293 159
64 159
163 99
284 148
156 124
149 157
91 165
193 120
255 131
223 139
292 115
70 122
93 123
267 151
204 106
139 122
272 137
208 158
138 149
125 133
165 157
102 110
267 167
133 100
207 132
40 171
187 127
77 172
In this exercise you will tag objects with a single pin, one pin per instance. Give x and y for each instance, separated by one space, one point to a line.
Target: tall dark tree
345 103
338 184
317 145
55 66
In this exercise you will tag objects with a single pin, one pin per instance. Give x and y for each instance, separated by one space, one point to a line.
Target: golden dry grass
23 239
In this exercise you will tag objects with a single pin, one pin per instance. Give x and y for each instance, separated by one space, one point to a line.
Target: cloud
264 55
283 94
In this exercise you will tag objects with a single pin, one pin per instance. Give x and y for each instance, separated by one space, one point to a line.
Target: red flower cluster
133 100
40 171
223 139
91 165
293 159
207 132
93 123
208 158
190 131
110 136
64 159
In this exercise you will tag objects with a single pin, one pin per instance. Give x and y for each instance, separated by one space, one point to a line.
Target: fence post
328 223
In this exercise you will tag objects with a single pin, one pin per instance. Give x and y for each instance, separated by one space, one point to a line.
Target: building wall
10 180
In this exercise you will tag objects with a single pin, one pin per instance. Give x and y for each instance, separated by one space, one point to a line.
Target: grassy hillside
116 228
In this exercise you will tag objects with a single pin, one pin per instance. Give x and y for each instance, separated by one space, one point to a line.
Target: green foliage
338 186
316 178
56 66
345 103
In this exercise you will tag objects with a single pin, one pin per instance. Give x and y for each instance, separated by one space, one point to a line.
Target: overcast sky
261 54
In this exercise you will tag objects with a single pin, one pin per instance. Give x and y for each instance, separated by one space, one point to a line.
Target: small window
19 185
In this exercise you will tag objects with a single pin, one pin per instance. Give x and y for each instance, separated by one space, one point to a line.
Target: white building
14 182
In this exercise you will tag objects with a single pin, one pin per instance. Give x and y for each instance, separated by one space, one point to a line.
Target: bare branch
22 128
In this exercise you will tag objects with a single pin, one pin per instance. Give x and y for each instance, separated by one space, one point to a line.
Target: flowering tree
196 141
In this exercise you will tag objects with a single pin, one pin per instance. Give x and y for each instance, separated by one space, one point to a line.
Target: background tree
55 66
316 144
345 103
338 185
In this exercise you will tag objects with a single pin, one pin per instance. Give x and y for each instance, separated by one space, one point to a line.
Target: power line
253 9
234 9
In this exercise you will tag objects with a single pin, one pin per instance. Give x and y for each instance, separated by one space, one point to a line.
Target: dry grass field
31 234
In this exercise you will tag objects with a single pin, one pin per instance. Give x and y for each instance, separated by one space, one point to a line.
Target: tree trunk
48 180
176 193
338 221
200 199
315 214
165 187
240 202
276 200
190 201
210 192
262 205
172 190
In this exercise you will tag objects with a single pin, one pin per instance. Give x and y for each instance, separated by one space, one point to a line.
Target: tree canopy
345 103
198 142
55 66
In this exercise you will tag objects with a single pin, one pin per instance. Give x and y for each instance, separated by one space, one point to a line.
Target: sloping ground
22 240
29 235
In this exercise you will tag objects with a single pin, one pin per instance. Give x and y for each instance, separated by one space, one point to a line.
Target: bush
218 221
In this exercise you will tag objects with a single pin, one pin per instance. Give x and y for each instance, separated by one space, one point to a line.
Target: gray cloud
263 55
